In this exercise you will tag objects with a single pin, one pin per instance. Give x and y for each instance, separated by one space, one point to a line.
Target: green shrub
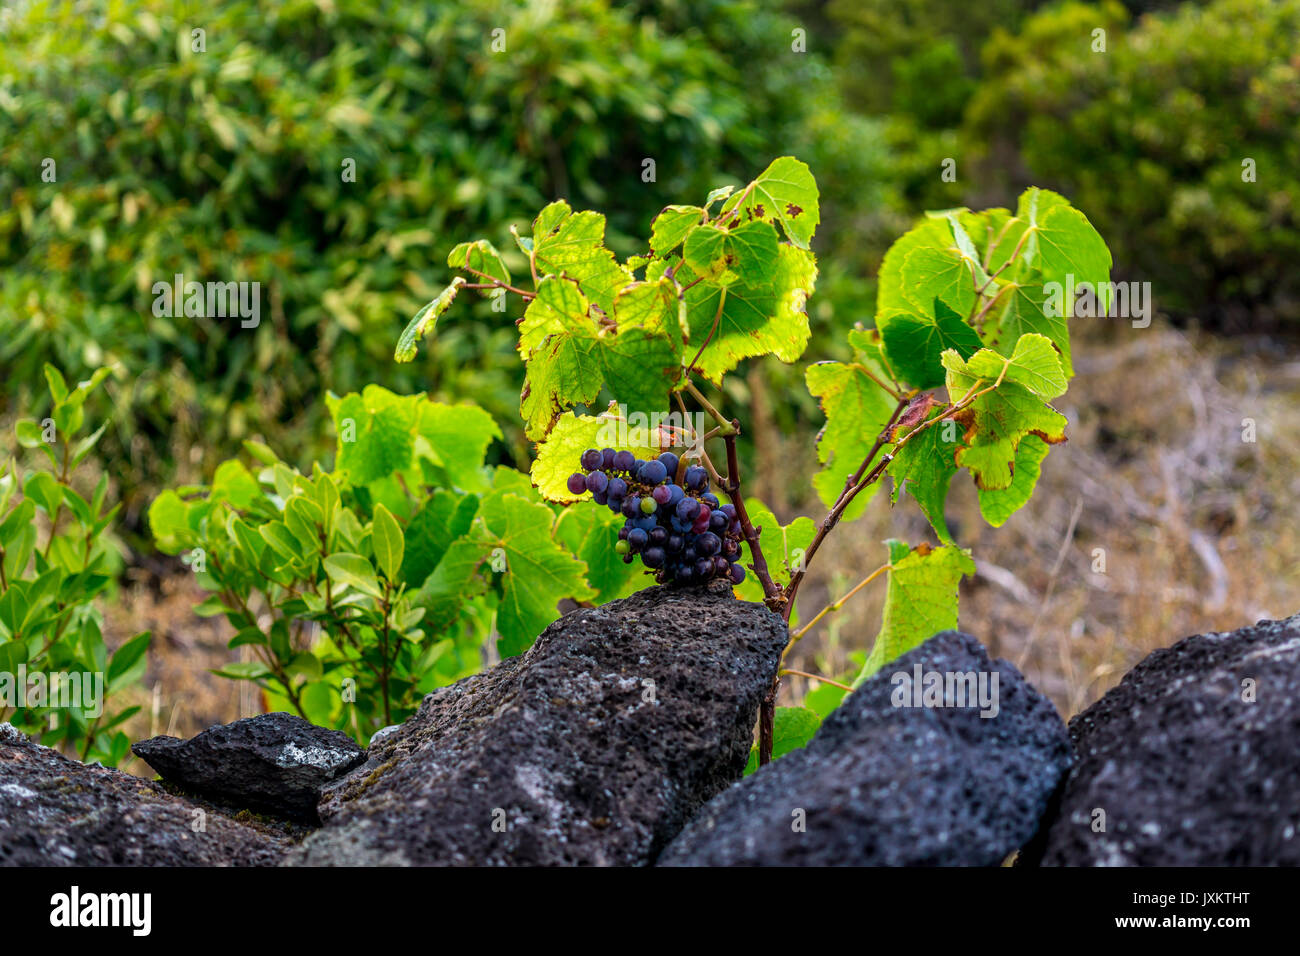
56 559
355 591
227 164
1153 136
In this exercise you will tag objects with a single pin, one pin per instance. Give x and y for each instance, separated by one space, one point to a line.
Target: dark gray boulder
593 747
883 784
58 812
273 763
1192 760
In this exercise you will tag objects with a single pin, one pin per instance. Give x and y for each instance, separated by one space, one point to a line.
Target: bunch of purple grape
680 530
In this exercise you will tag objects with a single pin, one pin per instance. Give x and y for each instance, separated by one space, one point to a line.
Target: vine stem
495 283
717 318
855 485
729 426
771 590
850 491
835 606
824 680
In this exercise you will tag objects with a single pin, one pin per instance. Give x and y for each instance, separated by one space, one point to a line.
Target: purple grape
637 539
652 472
624 461
592 459
708 544
737 574
670 463
662 494
687 509
631 506
696 478
607 458
596 481
577 483
653 557
718 521
617 488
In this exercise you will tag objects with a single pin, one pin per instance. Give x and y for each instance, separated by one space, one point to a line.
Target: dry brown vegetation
1200 529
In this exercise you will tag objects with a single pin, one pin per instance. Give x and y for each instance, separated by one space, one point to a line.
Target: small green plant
970 345
355 591
56 559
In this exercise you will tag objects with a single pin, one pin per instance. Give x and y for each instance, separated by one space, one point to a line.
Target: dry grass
179 696
1200 530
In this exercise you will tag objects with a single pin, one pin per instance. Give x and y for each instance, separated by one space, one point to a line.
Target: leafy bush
56 559
1179 139
358 590
231 163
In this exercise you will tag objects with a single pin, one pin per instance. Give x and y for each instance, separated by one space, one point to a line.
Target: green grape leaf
921 600
456 437
783 547
784 193
444 517
997 505
569 243
892 292
929 274
925 466
996 422
671 226
589 533
424 321
1062 242
480 257
765 316
512 537
1021 307
724 256
557 457
636 355
1033 363
857 410
376 432
914 342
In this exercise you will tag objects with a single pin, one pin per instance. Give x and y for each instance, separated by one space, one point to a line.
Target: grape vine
966 352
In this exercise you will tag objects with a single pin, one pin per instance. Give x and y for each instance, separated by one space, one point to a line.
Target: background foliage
226 165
